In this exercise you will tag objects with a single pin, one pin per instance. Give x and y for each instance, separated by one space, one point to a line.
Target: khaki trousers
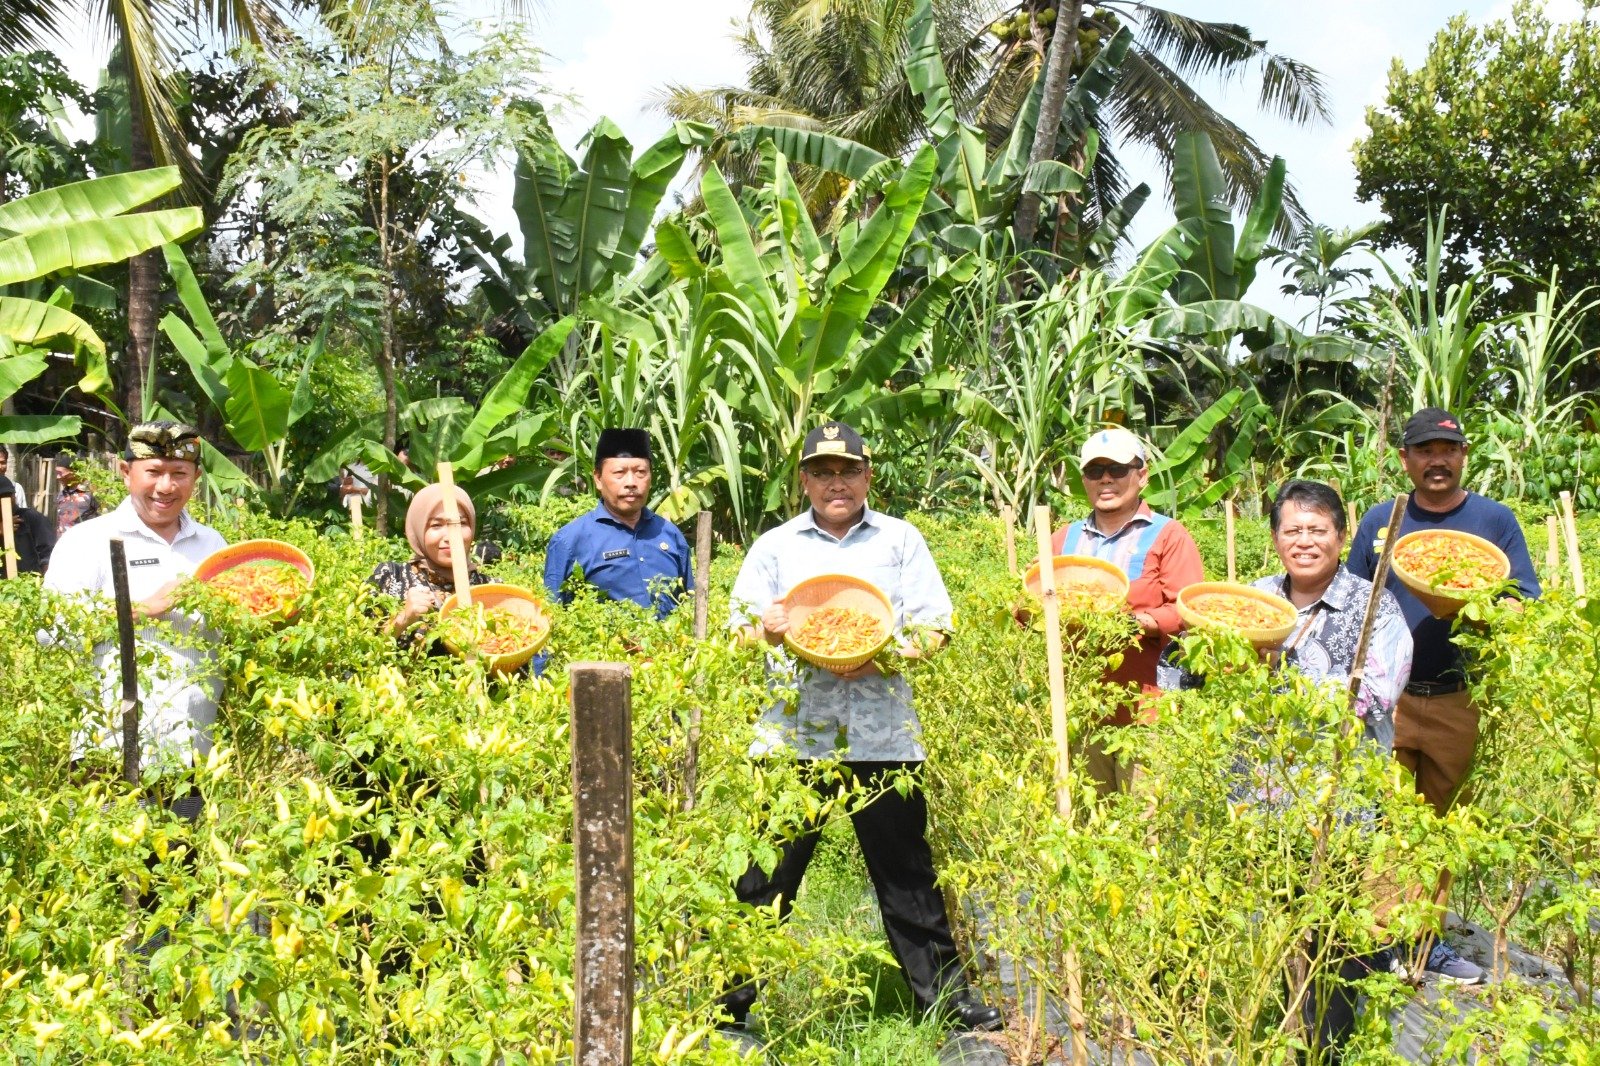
1110 773
1434 738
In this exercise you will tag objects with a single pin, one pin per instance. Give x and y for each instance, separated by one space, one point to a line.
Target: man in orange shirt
1159 557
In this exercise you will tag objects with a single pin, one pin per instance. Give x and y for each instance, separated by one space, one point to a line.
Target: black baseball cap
837 439
1432 423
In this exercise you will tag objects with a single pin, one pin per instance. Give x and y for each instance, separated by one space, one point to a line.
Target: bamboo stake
1079 1055
1227 521
1352 520
1008 520
458 552
9 536
353 501
1552 552
1380 575
1574 560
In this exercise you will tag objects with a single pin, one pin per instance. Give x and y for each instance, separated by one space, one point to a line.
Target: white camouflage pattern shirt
866 720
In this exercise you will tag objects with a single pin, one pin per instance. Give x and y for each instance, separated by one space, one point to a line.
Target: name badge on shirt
620 553
143 562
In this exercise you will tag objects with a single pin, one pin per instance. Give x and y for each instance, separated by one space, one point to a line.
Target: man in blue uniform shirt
622 547
1435 721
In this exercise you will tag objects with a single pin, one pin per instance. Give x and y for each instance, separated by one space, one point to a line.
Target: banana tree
257 410
582 225
475 437
53 235
1224 265
790 309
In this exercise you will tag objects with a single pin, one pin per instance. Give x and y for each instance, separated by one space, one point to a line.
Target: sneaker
1451 968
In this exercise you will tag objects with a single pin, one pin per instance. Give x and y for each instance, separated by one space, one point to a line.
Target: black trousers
892 832
1329 1011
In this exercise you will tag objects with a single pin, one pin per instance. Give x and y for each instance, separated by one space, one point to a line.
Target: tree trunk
144 282
1063 49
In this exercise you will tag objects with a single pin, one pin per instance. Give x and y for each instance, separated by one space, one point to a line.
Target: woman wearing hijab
422 583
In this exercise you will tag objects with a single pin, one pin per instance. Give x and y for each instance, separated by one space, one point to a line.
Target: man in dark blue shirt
1436 722
622 547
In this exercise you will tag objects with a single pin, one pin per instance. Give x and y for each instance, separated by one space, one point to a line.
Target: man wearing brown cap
163 544
1436 722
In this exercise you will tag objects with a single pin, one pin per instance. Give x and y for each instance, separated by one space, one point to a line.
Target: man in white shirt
163 545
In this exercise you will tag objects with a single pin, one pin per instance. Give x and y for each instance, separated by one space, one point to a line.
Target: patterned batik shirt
74 505
396 579
870 719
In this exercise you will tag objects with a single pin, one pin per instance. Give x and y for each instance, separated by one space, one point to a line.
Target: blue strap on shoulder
1069 543
1142 546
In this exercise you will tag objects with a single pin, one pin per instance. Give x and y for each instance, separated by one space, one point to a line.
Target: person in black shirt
32 534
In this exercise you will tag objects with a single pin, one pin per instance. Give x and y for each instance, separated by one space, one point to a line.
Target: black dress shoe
964 1011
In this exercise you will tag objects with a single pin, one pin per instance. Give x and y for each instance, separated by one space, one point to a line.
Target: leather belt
1434 688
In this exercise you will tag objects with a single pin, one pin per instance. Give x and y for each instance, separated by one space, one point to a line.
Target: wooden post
353 501
602 838
10 537
1351 518
44 498
1552 552
1079 1054
1227 521
129 661
1574 559
1008 521
702 611
702 573
458 551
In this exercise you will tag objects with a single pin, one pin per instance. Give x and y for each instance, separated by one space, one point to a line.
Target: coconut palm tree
834 66
1154 101
838 66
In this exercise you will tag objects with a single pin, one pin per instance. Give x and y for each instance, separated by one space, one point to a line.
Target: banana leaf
18 370
837 155
92 242
36 324
33 430
257 408
509 394
86 201
650 176
1200 193
595 210
925 72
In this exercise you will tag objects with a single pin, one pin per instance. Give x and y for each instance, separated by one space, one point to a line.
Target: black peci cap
1432 423
622 444
835 438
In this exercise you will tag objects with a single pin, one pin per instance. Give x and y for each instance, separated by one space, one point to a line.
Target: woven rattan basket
1264 638
1085 568
249 552
837 590
512 598
1443 603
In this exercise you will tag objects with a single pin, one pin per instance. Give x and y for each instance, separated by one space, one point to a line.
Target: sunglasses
1096 471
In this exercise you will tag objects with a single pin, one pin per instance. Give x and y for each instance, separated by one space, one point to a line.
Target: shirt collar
1141 514
600 514
128 521
808 520
1338 596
